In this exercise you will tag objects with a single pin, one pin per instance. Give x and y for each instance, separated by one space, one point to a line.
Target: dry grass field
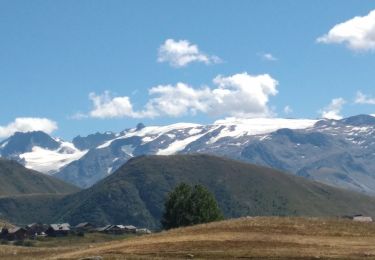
248 238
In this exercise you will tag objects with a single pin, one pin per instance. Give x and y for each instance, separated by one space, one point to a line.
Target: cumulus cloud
364 99
176 100
243 94
237 95
181 53
357 33
333 110
106 107
28 124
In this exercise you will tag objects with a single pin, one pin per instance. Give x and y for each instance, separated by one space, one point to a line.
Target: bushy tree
187 205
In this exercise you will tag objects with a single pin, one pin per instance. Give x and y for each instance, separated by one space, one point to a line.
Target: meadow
248 238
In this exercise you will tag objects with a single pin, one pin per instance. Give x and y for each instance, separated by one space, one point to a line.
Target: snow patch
150 133
237 127
50 161
178 145
4 144
128 149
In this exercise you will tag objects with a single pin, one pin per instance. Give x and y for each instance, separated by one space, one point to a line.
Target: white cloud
333 110
268 57
178 100
364 99
181 53
357 33
28 124
107 107
288 110
243 95
237 95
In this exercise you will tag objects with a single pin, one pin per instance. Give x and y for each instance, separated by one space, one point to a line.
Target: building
143 231
84 227
57 230
130 229
102 229
4 233
117 229
35 230
360 218
17 233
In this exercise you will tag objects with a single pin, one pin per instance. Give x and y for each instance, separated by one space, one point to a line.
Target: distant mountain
93 140
336 152
135 193
17 180
359 120
222 138
20 143
39 151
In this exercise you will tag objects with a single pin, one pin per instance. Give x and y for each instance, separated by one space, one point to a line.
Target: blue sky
53 54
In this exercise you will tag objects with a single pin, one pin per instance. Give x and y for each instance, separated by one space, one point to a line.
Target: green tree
187 205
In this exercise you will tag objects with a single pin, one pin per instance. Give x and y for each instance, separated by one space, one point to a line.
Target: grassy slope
26 209
136 192
260 237
252 238
16 179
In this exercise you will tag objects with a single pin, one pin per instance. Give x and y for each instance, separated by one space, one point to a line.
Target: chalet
17 233
4 233
103 229
143 231
57 230
130 229
36 230
360 218
117 229
84 227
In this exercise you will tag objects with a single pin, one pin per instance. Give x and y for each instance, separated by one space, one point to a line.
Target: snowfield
51 161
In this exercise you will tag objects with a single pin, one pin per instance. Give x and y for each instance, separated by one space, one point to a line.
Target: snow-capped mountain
224 137
340 153
337 152
39 151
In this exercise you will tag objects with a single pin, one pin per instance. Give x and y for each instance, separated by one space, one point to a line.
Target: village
38 230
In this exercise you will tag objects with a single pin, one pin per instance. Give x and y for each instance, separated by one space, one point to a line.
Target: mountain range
340 153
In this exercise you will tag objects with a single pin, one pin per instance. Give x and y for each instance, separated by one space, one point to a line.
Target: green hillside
25 209
135 193
16 180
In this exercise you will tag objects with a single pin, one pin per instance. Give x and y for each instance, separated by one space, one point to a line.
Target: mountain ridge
298 146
